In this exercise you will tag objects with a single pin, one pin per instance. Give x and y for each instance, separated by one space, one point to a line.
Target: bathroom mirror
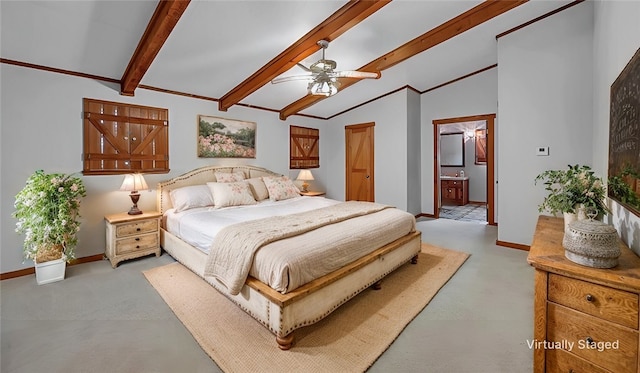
452 149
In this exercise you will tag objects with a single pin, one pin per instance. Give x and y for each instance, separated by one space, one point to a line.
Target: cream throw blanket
231 254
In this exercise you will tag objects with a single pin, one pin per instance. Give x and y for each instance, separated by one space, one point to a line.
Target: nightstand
312 194
132 236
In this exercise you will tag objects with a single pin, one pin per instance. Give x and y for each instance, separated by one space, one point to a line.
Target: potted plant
47 209
575 192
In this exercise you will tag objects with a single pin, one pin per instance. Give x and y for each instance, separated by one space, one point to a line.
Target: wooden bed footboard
282 314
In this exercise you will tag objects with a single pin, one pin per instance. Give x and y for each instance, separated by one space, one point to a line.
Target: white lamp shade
134 182
305 175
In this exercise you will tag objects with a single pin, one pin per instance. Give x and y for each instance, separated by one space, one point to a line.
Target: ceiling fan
322 76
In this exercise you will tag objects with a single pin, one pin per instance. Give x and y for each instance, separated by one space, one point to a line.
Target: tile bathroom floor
469 212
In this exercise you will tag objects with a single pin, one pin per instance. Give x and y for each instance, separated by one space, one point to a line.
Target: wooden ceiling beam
164 19
342 20
455 26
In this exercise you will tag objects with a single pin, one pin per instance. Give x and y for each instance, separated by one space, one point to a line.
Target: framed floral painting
226 138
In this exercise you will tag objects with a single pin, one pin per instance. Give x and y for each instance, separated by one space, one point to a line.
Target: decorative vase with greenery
572 189
47 209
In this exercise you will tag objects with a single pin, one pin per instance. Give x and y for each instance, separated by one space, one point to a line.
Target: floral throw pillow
280 188
231 194
228 177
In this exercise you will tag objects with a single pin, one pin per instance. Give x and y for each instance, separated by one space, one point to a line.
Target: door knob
367 176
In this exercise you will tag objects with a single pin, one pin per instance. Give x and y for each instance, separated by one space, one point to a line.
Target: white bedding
280 261
199 226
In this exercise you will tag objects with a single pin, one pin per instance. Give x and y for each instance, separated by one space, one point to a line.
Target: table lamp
134 183
305 175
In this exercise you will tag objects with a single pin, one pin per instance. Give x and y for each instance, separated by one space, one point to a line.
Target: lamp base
305 187
134 210
135 196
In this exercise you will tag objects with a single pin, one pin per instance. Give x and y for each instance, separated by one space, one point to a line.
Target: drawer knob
138 229
590 298
137 238
137 246
589 340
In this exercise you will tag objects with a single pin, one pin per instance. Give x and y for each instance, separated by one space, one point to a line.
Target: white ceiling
218 44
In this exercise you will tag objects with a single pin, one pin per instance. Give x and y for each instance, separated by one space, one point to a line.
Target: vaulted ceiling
229 51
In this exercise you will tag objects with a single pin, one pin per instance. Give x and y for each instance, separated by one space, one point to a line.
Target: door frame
490 119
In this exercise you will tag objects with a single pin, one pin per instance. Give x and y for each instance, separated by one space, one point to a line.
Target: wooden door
359 162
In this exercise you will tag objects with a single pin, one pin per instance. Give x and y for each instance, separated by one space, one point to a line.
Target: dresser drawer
610 304
451 183
145 226
568 326
138 243
560 361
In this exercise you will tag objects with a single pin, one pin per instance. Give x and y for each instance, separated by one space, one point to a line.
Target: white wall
616 39
390 143
414 204
41 128
545 99
475 95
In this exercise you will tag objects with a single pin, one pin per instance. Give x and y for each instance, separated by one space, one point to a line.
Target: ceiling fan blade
292 78
303 67
356 74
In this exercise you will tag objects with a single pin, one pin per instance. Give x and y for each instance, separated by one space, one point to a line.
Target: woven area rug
348 340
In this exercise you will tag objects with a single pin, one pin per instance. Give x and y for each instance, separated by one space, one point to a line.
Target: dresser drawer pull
589 340
572 371
138 229
137 238
137 246
590 298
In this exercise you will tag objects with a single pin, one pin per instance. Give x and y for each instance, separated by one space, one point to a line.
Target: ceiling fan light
322 88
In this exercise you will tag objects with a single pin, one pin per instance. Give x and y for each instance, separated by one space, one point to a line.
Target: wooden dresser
455 191
585 319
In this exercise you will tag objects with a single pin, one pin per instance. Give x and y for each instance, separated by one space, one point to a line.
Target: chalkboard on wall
624 137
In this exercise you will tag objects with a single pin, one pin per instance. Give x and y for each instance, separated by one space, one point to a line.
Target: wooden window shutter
304 148
121 138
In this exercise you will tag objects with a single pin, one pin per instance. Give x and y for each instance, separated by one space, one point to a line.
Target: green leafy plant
621 190
47 209
577 185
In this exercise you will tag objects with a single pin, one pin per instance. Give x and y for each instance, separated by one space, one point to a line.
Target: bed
281 300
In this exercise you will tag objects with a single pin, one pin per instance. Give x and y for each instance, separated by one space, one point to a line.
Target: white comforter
283 264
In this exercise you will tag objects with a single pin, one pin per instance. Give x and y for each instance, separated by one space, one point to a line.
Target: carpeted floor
350 339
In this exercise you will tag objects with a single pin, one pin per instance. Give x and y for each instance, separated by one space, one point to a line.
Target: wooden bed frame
284 313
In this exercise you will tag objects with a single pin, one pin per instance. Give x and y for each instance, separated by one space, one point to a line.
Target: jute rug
348 340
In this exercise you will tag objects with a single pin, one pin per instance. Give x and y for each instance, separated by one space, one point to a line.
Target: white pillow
228 177
231 194
258 188
191 197
280 188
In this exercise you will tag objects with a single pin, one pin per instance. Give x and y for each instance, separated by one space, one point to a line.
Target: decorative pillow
191 197
231 194
280 188
258 188
229 177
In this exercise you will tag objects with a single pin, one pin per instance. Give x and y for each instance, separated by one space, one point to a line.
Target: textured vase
570 217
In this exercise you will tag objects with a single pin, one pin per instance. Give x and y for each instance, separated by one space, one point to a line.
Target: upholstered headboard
202 176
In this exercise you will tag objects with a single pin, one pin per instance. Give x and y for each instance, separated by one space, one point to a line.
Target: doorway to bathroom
464 173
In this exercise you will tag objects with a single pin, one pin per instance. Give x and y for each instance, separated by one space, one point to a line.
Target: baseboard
512 245
422 215
32 270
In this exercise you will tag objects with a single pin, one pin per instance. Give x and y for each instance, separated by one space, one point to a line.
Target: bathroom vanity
455 189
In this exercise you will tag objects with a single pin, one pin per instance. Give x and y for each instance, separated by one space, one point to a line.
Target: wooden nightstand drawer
560 361
143 242
614 347
146 226
610 304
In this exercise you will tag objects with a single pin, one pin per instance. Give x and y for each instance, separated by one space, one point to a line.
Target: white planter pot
50 271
